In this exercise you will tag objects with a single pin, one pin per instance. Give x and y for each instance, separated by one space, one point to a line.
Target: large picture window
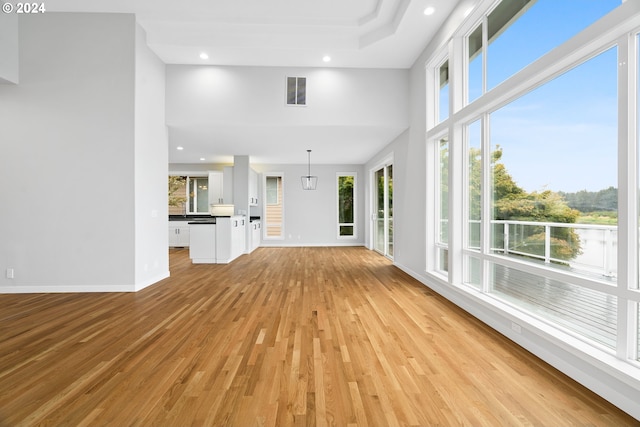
533 179
554 172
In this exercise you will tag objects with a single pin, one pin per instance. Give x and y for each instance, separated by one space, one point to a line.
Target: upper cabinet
216 189
253 188
221 186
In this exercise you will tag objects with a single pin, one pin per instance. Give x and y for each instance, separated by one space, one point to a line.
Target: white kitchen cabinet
221 186
256 234
203 243
230 238
253 188
179 234
216 188
238 236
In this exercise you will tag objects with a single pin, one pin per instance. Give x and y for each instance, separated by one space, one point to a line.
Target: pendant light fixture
309 182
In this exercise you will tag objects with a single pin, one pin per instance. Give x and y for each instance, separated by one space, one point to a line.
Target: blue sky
563 135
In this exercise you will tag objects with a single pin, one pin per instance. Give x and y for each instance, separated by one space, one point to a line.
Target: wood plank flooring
281 337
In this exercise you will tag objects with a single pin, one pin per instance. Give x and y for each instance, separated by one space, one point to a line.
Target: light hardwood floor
281 337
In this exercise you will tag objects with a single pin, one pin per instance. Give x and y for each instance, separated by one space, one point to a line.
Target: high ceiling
291 33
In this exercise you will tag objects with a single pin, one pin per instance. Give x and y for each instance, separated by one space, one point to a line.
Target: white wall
151 167
67 134
8 48
310 216
198 94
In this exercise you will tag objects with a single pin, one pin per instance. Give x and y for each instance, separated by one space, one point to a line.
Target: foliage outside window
177 195
578 152
346 205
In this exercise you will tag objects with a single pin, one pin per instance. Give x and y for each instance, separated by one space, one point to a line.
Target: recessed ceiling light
204 55
179 147
429 10
201 158
326 58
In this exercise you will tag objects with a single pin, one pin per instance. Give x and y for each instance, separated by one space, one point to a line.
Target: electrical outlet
516 328
10 273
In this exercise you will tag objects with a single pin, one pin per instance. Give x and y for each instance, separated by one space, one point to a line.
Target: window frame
588 43
353 224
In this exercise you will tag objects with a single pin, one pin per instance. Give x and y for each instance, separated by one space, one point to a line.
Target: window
473 208
273 190
443 91
274 207
536 178
177 195
475 75
554 171
296 90
346 205
198 195
442 225
188 195
511 37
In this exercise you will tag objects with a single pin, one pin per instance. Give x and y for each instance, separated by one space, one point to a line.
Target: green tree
511 202
345 195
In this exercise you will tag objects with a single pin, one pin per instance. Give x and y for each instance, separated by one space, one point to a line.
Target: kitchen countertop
203 221
188 217
199 218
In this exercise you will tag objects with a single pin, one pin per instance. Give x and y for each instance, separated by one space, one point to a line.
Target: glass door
383 200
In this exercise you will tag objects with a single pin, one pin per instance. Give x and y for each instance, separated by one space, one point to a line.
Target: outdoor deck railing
550 243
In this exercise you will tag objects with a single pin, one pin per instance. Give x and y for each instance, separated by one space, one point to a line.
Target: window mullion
627 198
486 200
485 41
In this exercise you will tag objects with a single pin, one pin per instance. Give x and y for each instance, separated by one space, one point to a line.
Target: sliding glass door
383 210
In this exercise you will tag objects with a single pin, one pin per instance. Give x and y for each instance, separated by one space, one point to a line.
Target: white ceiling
291 33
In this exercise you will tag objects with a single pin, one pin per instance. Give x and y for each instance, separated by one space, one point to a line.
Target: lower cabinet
230 238
256 234
203 244
218 243
179 234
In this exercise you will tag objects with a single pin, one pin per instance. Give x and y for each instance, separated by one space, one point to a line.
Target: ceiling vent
296 91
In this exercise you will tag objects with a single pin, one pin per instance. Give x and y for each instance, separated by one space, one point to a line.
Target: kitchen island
217 240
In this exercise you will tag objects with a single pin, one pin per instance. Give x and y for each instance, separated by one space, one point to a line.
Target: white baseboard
38 289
